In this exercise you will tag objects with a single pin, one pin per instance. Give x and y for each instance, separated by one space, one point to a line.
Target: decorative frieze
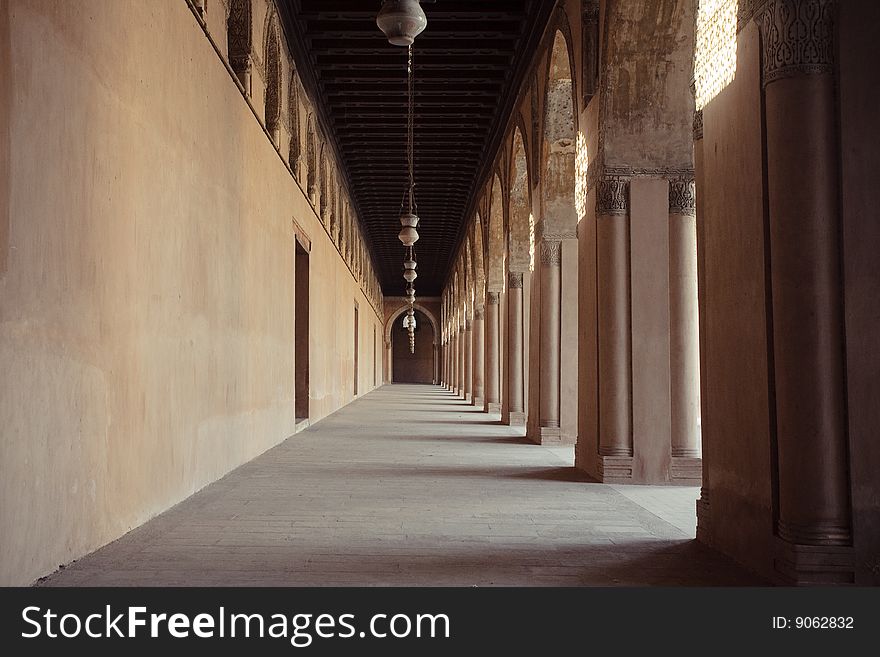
515 280
612 196
798 38
551 253
683 197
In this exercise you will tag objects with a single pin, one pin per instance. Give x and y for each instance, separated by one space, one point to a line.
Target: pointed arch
495 274
324 185
239 39
272 58
479 263
311 160
295 150
520 236
559 141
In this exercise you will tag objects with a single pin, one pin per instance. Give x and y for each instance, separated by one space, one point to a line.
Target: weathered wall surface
146 277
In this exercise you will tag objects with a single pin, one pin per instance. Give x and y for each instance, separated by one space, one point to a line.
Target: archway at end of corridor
416 367
421 366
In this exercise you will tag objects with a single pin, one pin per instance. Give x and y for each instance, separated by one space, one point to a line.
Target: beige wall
146 277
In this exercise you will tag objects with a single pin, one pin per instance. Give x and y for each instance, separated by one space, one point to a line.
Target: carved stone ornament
493 298
612 196
479 314
698 125
798 38
515 280
551 253
683 197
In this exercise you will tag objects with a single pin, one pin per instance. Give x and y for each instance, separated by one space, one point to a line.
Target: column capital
683 196
515 280
479 314
493 298
551 254
467 325
797 37
612 196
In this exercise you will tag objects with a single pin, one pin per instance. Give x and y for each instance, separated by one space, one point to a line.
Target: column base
479 401
492 407
686 471
614 469
811 565
551 436
516 419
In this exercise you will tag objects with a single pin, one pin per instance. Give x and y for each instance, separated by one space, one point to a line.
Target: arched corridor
430 492
570 292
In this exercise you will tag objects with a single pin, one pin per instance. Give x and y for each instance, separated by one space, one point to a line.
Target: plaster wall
146 277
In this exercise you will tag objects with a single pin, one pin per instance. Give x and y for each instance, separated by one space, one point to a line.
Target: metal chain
410 129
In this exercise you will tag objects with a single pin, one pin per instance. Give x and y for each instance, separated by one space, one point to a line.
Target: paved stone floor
411 486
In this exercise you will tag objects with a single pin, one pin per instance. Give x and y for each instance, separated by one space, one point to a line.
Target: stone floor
411 486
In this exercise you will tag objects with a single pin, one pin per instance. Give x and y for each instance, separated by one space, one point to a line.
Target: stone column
461 358
479 363
436 378
615 382
468 361
453 355
493 346
550 328
389 362
515 347
684 357
803 194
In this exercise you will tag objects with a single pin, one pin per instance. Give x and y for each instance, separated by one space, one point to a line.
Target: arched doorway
417 367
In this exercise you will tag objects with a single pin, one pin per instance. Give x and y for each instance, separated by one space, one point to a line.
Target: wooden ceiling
469 63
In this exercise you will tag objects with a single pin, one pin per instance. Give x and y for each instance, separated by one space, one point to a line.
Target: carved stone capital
493 298
612 196
797 37
698 125
683 197
515 280
551 253
467 325
479 314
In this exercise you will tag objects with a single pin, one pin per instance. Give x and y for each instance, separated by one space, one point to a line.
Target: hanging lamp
408 218
401 21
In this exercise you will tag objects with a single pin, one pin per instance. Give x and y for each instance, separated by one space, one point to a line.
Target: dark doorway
355 350
417 367
301 332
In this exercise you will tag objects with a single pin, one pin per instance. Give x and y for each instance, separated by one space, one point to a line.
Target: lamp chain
410 130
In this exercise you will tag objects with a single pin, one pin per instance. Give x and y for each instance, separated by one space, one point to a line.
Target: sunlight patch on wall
715 53
581 163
